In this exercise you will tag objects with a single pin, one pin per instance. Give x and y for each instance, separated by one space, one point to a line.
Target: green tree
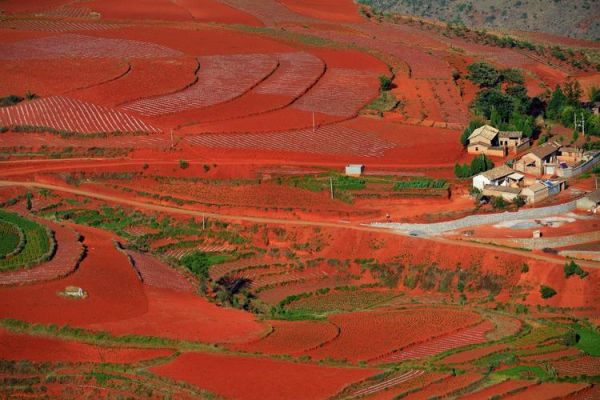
183 164
481 163
556 103
573 91
594 94
493 99
385 83
512 75
483 74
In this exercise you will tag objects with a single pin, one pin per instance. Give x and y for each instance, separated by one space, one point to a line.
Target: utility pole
172 144
203 222
580 123
331 186
313 118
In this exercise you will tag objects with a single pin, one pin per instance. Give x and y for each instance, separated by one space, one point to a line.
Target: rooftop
498 172
545 150
486 131
511 135
503 189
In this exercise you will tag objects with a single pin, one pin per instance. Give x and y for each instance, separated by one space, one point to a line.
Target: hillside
574 18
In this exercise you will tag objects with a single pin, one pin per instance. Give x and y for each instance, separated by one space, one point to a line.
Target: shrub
547 292
498 202
183 164
10 100
571 268
483 74
385 83
519 201
524 268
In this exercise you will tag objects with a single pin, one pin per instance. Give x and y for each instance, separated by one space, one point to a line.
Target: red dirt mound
32 348
259 378
186 316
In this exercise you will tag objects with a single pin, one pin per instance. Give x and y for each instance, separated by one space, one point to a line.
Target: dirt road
282 221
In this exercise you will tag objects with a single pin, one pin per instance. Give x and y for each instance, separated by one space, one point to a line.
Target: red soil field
331 139
573 292
215 11
286 119
475 354
554 355
416 382
220 78
41 349
80 46
186 316
274 295
53 141
52 77
259 378
585 365
54 25
368 335
66 114
145 78
445 387
548 391
141 9
331 10
472 335
154 273
28 6
270 12
292 337
209 41
498 389
340 92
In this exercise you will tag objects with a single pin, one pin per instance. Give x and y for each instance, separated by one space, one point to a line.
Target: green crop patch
35 247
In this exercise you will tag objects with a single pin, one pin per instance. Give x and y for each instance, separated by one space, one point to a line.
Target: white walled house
495 177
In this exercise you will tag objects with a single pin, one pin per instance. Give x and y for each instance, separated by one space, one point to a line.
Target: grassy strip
67 332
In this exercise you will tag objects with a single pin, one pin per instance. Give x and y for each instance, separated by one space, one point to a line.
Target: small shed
355 169
506 192
535 193
590 202
496 176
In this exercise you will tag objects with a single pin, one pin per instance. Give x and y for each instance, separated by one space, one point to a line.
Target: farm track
281 221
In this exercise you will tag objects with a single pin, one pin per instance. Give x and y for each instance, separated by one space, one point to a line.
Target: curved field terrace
292 199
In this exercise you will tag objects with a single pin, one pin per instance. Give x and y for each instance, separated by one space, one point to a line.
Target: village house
493 142
496 177
590 202
542 160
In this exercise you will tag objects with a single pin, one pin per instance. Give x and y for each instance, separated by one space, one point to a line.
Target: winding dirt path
281 221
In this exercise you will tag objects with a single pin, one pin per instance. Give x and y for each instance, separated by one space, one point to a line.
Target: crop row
296 73
330 139
220 78
43 25
65 114
463 338
340 92
154 273
82 46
